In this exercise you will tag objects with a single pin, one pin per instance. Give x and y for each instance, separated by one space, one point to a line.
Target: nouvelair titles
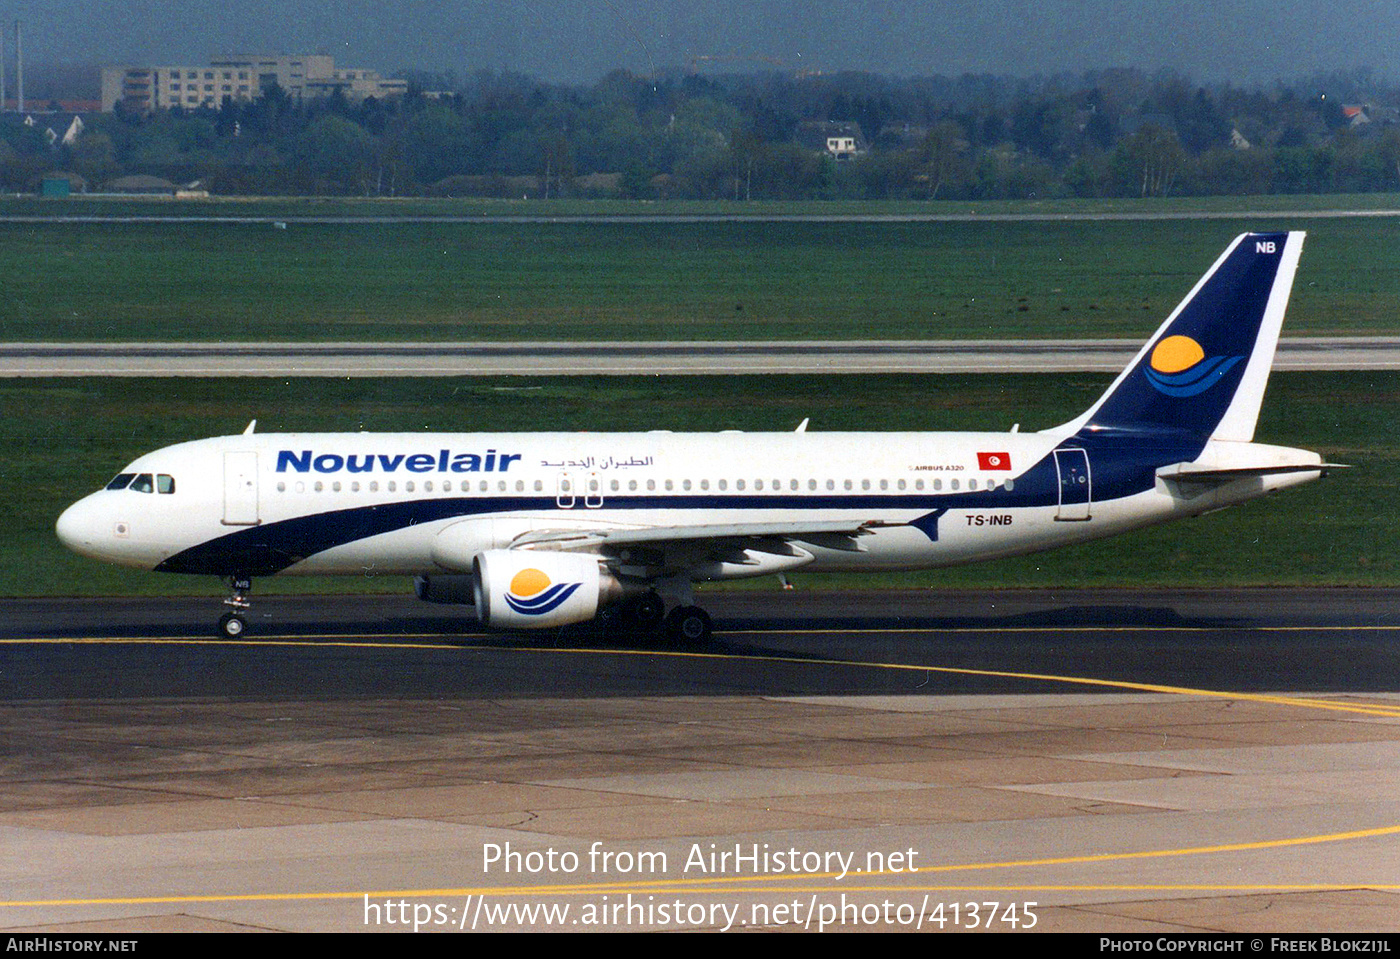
443 461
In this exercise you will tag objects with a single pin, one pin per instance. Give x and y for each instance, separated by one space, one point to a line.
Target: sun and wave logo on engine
532 593
1179 367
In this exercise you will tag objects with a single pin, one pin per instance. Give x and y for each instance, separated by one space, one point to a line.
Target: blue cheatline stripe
1120 468
272 547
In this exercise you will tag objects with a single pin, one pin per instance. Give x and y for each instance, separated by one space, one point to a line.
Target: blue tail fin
1203 373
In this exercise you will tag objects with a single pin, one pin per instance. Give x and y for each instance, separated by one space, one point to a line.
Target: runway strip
659 358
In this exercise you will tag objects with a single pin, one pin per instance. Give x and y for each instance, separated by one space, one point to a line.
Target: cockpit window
121 481
165 483
142 484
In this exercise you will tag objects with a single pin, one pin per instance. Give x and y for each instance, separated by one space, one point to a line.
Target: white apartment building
241 79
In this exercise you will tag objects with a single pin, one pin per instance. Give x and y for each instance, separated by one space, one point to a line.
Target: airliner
538 530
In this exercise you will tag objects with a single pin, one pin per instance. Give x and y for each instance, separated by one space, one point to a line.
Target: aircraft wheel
232 626
648 611
690 625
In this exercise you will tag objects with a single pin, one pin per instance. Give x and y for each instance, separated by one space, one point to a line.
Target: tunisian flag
994 461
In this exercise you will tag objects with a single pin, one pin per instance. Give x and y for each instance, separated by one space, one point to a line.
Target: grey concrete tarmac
653 358
1124 761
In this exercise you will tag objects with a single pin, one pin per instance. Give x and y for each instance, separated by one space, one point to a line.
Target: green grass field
239 206
709 281
64 438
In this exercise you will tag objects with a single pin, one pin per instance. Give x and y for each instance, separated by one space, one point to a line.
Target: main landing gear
233 624
686 624
690 625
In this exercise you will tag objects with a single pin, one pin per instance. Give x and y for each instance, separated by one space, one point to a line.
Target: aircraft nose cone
76 527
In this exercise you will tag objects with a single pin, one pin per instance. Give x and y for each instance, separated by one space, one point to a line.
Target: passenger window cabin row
596 485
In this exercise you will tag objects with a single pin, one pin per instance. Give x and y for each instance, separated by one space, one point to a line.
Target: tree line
1115 133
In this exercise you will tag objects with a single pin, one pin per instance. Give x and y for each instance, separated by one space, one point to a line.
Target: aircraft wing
738 548
821 533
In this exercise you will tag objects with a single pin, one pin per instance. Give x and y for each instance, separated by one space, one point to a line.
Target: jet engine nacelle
523 589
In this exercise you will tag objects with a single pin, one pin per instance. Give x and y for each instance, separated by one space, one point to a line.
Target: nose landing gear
233 623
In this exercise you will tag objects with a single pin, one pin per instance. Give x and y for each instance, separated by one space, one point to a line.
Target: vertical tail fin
1204 371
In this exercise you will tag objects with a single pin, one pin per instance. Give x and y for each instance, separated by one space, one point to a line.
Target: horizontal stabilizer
1192 473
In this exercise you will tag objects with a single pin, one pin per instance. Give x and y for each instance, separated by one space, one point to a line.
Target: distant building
62 184
1367 119
1356 115
241 79
842 141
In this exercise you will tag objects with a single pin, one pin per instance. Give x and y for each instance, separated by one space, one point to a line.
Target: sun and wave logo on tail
532 593
1179 367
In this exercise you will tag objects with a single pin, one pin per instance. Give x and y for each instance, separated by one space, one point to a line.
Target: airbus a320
540 530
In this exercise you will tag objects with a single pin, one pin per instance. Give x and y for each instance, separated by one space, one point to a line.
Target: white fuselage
361 503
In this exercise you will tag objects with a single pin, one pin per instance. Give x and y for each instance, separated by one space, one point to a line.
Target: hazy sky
579 40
